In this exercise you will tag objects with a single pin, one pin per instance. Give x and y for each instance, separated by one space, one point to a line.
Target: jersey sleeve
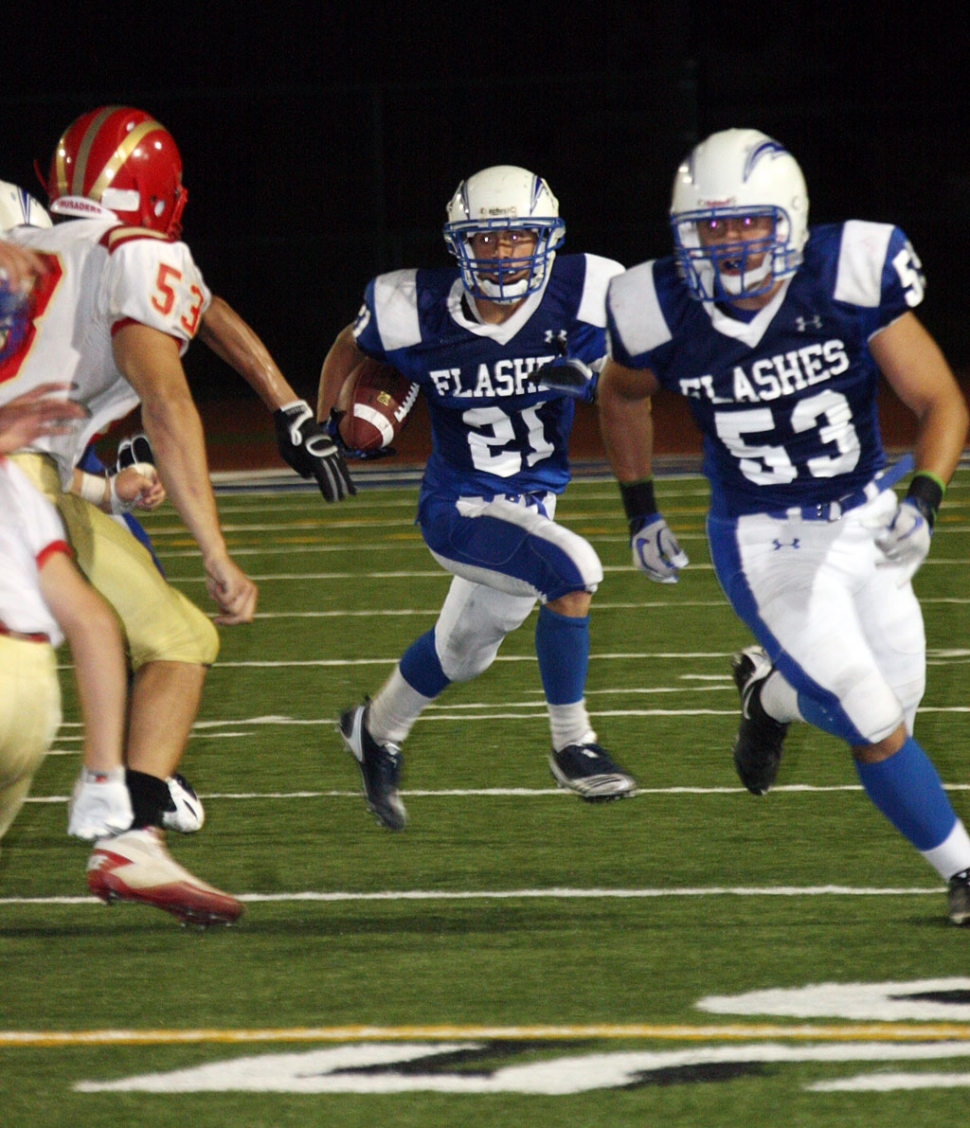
878 271
152 281
587 338
40 521
635 322
366 334
30 534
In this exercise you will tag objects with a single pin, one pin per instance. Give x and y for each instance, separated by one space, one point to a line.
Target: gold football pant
30 714
159 623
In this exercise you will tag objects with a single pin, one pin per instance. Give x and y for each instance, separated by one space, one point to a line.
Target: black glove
135 449
307 447
333 430
569 376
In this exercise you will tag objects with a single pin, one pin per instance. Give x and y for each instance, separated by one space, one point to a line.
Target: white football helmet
504 196
735 173
18 207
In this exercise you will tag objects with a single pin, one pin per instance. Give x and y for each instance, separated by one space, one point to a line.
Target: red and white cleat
135 866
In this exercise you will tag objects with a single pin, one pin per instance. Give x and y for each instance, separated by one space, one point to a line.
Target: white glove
656 551
186 815
100 805
905 541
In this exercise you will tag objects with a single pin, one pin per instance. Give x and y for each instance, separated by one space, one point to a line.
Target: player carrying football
776 334
474 338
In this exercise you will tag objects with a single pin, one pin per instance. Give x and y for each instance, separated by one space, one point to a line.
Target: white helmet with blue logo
504 197
732 174
18 207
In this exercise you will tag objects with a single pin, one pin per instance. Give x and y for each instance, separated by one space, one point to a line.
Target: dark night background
322 141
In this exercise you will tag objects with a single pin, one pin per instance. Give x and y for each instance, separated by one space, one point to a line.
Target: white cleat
135 866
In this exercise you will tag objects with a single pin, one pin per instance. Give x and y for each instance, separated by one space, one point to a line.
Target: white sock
570 725
779 700
395 708
953 853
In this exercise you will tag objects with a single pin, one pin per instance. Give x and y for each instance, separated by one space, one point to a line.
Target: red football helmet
124 160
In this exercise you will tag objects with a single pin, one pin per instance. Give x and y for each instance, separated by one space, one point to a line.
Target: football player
119 303
777 333
302 444
43 598
474 337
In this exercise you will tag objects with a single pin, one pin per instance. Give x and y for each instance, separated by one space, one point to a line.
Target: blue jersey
495 429
785 401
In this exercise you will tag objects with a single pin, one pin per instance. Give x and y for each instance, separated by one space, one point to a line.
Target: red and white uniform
30 702
30 530
102 275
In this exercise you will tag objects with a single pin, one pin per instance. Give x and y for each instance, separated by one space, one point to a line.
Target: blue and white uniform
786 403
499 437
499 458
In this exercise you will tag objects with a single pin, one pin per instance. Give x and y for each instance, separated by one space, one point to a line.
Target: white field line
555 894
499 792
891 1032
389 613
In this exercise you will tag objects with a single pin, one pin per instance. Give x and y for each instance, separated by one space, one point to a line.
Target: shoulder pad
638 320
396 307
862 256
118 236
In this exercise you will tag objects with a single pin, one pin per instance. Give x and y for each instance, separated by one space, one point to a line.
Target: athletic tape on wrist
92 488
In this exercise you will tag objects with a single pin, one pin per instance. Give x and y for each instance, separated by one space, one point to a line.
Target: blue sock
421 667
908 791
562 647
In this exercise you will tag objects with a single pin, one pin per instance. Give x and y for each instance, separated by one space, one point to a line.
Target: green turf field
515 956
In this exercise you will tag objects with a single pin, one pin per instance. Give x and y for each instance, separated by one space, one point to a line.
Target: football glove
333 430
569 376
133 450
905 541
100 805
185 813
307 447
655 549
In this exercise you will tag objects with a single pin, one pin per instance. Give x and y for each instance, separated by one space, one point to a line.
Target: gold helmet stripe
77 187
120 155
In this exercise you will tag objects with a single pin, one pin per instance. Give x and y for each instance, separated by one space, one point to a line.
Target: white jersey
30 530
101 275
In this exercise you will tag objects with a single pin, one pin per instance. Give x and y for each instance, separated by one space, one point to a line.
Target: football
375 401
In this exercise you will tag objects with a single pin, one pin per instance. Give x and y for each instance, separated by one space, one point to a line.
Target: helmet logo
764 149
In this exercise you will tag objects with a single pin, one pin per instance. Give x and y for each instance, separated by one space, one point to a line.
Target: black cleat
960 898
589 770
379 764
757 747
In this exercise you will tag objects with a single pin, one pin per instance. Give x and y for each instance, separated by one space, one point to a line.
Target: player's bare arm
340 361
919 374
149 361
626 419
135 487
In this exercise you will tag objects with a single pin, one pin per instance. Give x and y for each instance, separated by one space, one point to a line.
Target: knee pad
472 624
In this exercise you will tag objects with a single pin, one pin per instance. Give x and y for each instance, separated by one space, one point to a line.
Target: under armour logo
779 544
803 323
557 337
